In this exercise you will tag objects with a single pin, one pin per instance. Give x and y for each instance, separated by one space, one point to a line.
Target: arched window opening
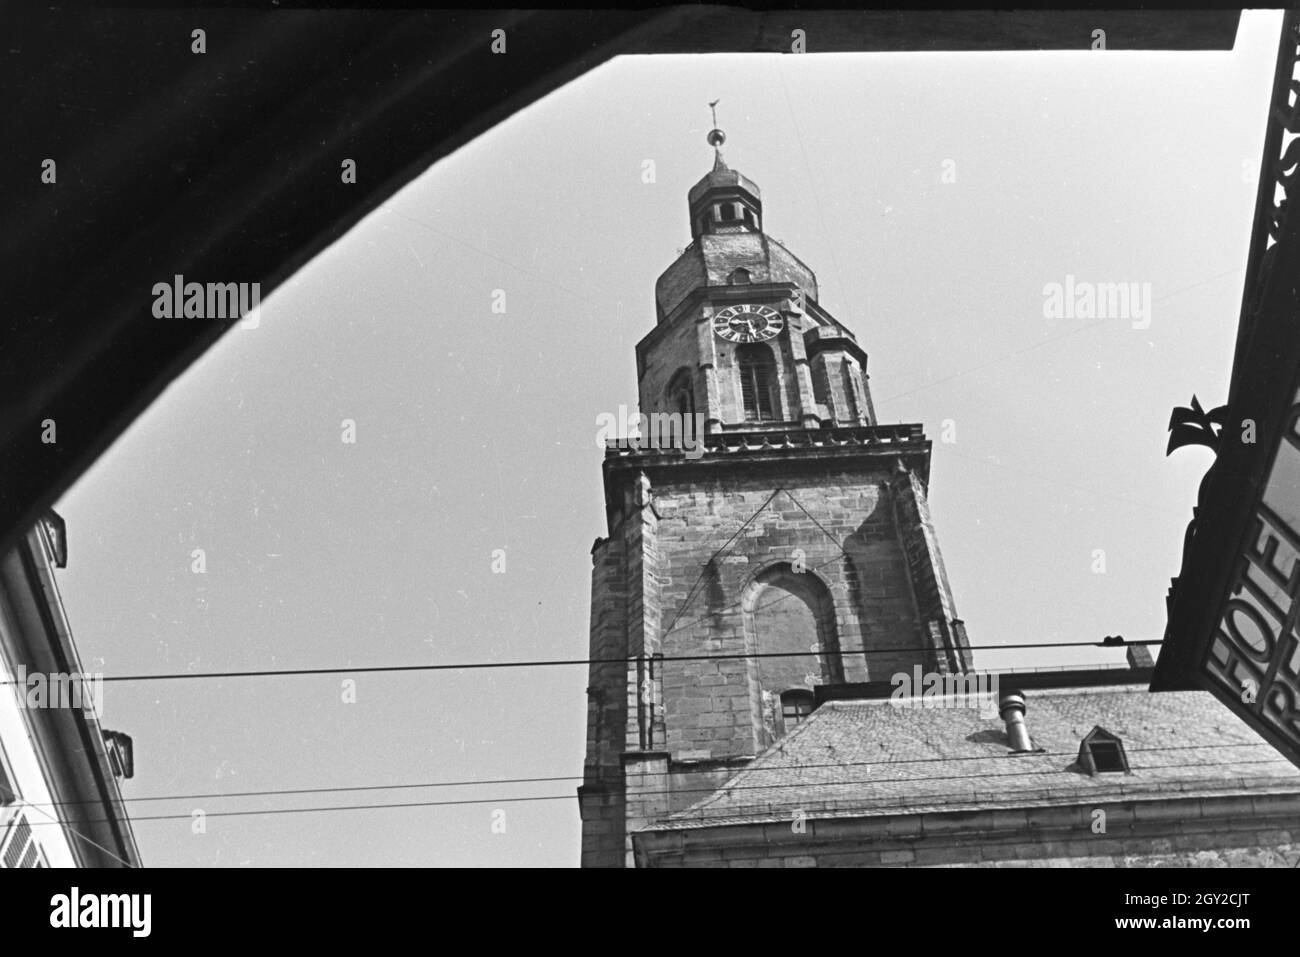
681 393
757 383
739 276
790 628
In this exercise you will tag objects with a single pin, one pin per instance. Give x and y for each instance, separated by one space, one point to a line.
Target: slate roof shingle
874 757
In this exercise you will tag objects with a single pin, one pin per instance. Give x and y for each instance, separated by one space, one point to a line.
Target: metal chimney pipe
1011 708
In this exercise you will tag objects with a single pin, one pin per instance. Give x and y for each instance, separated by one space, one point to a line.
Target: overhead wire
631 659
709 790
551 779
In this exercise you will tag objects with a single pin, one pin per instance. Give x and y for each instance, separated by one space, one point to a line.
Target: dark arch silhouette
785 612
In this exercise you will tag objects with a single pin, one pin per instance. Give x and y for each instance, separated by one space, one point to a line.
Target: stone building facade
746 592
801 534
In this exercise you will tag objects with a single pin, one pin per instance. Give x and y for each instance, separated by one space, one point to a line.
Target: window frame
793 700
1098 743
751 359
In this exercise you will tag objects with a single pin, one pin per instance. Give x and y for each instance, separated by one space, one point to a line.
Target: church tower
795 549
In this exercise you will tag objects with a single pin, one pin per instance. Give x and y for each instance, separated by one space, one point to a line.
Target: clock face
747 323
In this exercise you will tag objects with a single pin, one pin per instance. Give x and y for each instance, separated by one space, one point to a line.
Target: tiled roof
721 177
875 757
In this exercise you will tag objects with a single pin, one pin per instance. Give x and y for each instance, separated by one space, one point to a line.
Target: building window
681 393
1102 753
8 792
739 276
749 217
121 753
731 212
795 708
850 396
821 394
1107 756
757 382
18 848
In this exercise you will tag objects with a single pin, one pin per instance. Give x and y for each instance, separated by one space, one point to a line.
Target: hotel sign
1253 656
1233 608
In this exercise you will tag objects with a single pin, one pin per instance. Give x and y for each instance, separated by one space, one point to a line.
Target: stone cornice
779 450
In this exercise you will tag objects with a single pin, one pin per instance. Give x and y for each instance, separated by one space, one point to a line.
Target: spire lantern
724 201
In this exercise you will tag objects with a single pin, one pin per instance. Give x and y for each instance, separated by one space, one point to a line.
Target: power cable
631 659
569 797
552 779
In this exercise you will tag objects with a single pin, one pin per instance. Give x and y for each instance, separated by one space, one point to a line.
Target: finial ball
717 138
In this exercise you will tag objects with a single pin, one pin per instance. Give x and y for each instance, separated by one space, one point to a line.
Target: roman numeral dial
747 323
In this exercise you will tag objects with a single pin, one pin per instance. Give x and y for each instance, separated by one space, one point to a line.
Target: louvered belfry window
757 382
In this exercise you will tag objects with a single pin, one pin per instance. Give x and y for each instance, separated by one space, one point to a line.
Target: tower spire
716 138
723 201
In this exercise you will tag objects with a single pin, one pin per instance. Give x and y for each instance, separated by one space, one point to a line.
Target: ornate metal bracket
1281 170
1195 426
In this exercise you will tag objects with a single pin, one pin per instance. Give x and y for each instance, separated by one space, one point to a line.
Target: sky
936 196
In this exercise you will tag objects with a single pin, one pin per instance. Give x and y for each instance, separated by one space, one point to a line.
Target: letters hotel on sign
1254 652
